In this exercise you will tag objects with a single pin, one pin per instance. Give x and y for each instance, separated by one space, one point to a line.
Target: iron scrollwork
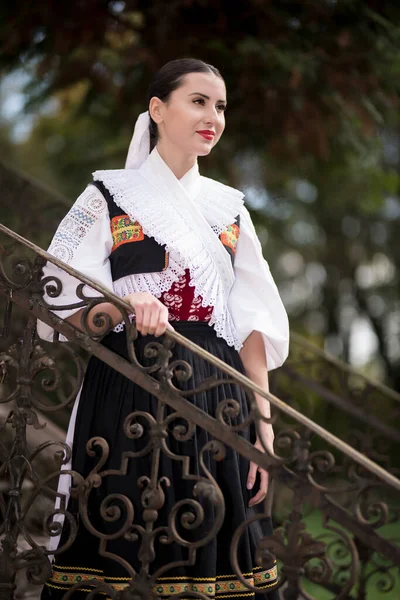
314 467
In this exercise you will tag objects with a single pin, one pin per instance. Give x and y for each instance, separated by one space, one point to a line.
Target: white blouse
243 301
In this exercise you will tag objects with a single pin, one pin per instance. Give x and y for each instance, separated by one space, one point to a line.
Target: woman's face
193 118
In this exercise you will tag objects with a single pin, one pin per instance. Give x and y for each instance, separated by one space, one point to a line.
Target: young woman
181 249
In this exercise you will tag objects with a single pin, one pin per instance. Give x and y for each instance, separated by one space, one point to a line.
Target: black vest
133 252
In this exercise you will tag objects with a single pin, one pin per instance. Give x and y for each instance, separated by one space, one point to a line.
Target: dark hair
169 78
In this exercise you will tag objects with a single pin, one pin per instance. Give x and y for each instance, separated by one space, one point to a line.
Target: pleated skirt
174 475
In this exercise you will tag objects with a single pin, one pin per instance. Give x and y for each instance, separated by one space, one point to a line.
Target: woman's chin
204 151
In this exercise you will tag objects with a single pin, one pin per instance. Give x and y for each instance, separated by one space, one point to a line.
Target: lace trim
219 214
76 224
153 283
219 204
121 326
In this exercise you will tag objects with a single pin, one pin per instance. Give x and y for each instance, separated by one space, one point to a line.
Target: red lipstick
207 134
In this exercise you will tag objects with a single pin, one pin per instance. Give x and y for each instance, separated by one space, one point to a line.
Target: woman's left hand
264 476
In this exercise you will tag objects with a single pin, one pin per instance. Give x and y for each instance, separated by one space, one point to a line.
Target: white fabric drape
139 147
186 224
83 240
254 301
187 216
65 481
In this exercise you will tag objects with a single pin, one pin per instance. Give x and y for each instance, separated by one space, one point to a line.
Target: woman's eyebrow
204 96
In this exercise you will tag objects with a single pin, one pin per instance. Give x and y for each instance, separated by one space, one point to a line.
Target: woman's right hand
151 314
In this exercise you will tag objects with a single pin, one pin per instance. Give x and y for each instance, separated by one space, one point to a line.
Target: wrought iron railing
374 406
362 412
357 499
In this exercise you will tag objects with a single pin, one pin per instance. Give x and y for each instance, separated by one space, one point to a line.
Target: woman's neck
178 162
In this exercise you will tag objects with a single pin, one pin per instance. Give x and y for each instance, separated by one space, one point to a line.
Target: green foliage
310 67
313 90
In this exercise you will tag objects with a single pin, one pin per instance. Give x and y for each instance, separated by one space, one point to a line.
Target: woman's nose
211 116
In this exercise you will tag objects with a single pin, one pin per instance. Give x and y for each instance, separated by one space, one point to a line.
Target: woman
181 249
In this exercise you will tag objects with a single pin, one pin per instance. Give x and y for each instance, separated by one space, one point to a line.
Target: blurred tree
311 136
299 73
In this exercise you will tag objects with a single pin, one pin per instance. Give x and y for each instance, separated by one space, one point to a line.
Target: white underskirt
64 483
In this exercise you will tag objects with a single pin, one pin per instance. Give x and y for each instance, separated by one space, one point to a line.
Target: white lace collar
184 215
191 180
219 204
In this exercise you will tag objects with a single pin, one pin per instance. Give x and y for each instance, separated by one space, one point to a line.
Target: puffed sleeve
254 301
83 240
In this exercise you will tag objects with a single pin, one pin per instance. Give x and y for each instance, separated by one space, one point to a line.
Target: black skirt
169 480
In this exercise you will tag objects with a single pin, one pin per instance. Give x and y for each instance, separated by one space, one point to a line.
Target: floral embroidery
230 237
181 303
123 231
221 586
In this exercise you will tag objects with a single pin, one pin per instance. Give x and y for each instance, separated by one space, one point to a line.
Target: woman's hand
151 314
268 438
255 364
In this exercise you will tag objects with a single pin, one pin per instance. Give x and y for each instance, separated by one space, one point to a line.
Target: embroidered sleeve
85 216
254 300
83 240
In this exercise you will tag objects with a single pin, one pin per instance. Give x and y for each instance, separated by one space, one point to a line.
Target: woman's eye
220 107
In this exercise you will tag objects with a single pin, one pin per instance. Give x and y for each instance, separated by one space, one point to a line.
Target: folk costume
190 243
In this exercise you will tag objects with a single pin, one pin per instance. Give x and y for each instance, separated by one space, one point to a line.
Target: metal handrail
297 338
334 441
344 367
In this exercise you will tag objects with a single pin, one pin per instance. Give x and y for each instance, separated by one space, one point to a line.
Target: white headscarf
139 148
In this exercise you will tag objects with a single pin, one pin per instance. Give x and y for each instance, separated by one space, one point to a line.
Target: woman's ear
155 109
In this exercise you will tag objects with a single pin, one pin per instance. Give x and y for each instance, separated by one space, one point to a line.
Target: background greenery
311 137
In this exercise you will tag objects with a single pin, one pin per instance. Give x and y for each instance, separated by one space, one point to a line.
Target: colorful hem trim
219 587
